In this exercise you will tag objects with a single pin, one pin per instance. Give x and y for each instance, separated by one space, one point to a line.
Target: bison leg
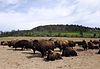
15 48
43 54
22 48
34 50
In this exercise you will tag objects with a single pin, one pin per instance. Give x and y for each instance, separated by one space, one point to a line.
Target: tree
81 34
94 35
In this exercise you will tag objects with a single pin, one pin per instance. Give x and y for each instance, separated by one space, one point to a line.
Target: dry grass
74 39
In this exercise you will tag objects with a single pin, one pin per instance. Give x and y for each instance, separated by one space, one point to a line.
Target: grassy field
28 38
67 34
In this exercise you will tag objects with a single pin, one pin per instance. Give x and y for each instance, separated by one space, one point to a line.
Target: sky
27 14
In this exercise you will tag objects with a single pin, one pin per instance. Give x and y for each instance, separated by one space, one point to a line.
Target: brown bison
12 43
22 44
52 39
91 45
71 44
19 44
84 45
79 43
4 43
64 43
68 51
53 55
43 46
96 41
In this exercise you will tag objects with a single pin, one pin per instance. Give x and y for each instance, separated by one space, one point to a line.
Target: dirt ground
11 59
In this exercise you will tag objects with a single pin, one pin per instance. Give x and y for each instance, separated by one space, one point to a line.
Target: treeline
56 31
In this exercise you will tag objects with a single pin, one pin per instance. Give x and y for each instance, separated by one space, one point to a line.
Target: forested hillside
56 31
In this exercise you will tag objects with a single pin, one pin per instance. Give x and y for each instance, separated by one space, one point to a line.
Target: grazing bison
53 55
2 42
43 46
68 51
12 43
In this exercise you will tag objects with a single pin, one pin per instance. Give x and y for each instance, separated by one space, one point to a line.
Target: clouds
10 1
26 14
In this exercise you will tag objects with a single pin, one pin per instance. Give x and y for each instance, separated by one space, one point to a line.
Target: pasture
11 59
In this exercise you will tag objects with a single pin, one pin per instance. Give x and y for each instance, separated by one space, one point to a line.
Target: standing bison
12 43
43 46
22 44
64 43
84 45
19 44
4 43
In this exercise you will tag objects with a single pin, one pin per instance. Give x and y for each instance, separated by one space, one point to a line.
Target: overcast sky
27 14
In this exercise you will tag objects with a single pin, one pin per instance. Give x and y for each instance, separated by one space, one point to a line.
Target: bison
23 44
53 55
68 51
79 43
4 43
96 41
43 46
84 45
61 44
92 46
64 43
11 43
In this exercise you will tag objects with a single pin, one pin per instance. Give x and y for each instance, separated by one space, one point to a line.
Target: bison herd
47 47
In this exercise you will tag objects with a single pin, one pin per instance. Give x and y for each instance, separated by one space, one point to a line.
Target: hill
57 30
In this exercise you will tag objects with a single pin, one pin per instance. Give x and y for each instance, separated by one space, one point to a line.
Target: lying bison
53 55
96 41
68 51
43 46
91 45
